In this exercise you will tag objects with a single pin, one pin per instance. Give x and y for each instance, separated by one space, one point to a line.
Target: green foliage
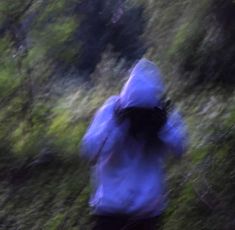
53 199
52 33
190 34
8 82
35 55
54 222
206 196
56 33
5 49
11 6
55 7
187 38
230 120
28 141
199 154
10 77
66 133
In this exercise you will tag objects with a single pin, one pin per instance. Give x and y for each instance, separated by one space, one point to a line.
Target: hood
144 88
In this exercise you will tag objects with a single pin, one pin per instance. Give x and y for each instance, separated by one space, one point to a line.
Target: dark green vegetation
61 59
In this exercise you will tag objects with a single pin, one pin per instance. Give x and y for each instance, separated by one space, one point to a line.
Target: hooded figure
127 174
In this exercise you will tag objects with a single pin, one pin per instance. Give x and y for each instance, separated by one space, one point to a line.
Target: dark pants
124 223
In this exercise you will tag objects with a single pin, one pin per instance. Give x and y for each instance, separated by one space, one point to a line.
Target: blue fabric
144 87
125 179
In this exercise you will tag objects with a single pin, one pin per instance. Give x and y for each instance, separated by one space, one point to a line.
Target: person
126 143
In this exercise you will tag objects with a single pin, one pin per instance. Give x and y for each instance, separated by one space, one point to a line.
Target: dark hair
144 123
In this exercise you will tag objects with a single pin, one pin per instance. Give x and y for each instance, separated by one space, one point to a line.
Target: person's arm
98 131
174 134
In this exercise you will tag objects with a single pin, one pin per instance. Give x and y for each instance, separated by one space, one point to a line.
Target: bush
203 47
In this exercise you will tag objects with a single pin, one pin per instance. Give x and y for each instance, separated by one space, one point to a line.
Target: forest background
59 61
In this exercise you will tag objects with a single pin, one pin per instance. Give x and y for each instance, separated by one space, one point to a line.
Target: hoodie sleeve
98 131
174 134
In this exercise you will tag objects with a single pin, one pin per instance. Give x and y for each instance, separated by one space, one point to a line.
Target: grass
53 197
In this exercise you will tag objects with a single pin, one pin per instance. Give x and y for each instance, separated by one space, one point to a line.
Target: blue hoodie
126 180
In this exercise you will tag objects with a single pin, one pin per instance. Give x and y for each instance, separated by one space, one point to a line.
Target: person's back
128 140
